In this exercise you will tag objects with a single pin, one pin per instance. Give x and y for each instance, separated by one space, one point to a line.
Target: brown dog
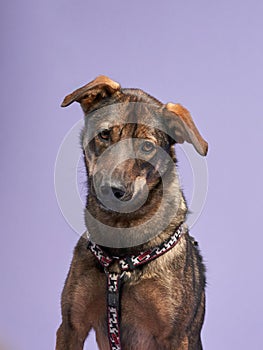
161 303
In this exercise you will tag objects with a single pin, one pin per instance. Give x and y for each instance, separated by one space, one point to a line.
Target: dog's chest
147 316
148 305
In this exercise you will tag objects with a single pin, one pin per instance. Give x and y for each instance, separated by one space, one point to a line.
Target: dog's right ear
182 126
92 93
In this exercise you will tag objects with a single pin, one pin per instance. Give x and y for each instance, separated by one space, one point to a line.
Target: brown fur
162 302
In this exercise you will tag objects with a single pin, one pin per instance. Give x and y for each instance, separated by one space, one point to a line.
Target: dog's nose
119 192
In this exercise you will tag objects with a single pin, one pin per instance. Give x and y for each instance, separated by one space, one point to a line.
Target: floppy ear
92 93
182 127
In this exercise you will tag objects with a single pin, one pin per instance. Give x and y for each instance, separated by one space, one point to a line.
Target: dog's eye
104 135
147 147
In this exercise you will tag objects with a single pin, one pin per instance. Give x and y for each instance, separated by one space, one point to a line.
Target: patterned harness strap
113 299
127 263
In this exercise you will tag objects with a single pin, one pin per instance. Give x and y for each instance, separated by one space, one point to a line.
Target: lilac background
205 54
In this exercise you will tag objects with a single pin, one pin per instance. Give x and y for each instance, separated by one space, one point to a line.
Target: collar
130 262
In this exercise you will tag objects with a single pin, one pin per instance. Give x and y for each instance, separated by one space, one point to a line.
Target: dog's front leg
69 338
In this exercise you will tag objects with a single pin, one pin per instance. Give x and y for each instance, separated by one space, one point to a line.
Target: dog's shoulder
83 260
194 260
82 245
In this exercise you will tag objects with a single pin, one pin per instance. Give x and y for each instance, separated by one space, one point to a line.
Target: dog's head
128 142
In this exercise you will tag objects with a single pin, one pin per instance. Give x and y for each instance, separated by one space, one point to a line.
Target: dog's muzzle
121 197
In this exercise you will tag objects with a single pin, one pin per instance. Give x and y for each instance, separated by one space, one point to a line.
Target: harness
127 263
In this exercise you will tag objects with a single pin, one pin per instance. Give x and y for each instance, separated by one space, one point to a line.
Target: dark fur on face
163 301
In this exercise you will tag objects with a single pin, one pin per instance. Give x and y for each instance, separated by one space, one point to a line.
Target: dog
134 205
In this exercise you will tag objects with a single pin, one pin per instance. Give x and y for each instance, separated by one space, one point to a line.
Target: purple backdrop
206 55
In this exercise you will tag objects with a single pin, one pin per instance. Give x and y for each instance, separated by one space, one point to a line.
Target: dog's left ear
92 93
182 127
